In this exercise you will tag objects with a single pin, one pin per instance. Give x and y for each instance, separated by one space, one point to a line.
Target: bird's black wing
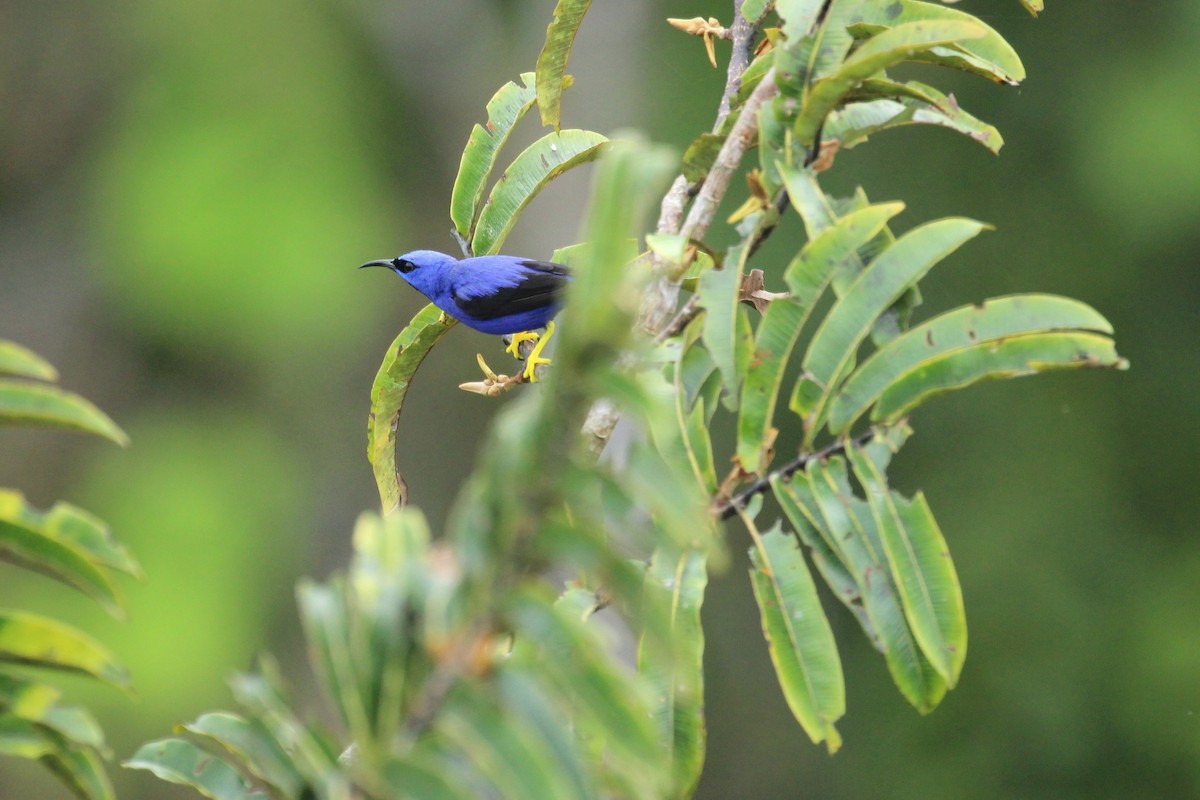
534 284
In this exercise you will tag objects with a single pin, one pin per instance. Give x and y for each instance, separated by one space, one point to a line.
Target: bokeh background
186 188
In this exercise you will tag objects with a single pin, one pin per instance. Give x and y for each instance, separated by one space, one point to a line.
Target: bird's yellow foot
535 357
514 346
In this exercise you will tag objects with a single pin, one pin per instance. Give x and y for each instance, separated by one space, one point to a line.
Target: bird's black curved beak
383 262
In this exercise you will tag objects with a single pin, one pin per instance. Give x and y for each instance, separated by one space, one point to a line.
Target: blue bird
492 294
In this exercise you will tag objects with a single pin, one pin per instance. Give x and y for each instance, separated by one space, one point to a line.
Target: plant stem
736 503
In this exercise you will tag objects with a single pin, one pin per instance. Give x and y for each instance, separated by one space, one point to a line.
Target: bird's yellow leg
535 356
513 348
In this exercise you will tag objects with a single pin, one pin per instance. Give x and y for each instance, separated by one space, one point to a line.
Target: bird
499 295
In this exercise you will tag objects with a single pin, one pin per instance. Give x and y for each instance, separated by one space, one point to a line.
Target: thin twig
446 674
690 310
742 32
739 501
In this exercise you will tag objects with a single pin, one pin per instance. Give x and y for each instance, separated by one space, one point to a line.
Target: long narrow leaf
718 293
963 327
606 701
504 111
36 549
1003 358
797 15
180 761
991 49
326 623
251 750
387 398
921 565
313 755
529 173
855 122
552 61
836 341
676 668
503 747
524 696
877 54
24 363
24 403
38 703
798 633
36 641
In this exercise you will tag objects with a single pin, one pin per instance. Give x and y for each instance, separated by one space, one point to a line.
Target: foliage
459 666
71 546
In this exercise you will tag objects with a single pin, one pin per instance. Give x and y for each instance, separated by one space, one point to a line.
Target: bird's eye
405 267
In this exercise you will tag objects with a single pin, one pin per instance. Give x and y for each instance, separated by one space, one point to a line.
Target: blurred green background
186 188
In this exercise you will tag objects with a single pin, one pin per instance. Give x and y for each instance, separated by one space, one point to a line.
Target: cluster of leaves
457 666
880 553
71 546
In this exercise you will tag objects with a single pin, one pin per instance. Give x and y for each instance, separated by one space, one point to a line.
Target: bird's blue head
425 270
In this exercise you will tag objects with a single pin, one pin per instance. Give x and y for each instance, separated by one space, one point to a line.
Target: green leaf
180 761
311 753
82 771
503 746
806 276
798 633
39 703
700 156
429 778
1034 7
920 562
73 527
24 363
877 54
36 641
819 211
388 392
23 739
23 403
990 49
753 10
251 750
39 550
719 290
836 341
855 122
504 111
885 88
390 573
552 61
606 701
1003 358
529 173
798 16
961 328
326 624
675 668
71 524
847 550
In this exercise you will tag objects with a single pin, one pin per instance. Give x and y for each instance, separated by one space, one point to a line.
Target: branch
743 33
662 294
739 501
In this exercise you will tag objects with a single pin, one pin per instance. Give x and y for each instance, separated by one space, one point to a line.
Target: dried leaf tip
709 29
